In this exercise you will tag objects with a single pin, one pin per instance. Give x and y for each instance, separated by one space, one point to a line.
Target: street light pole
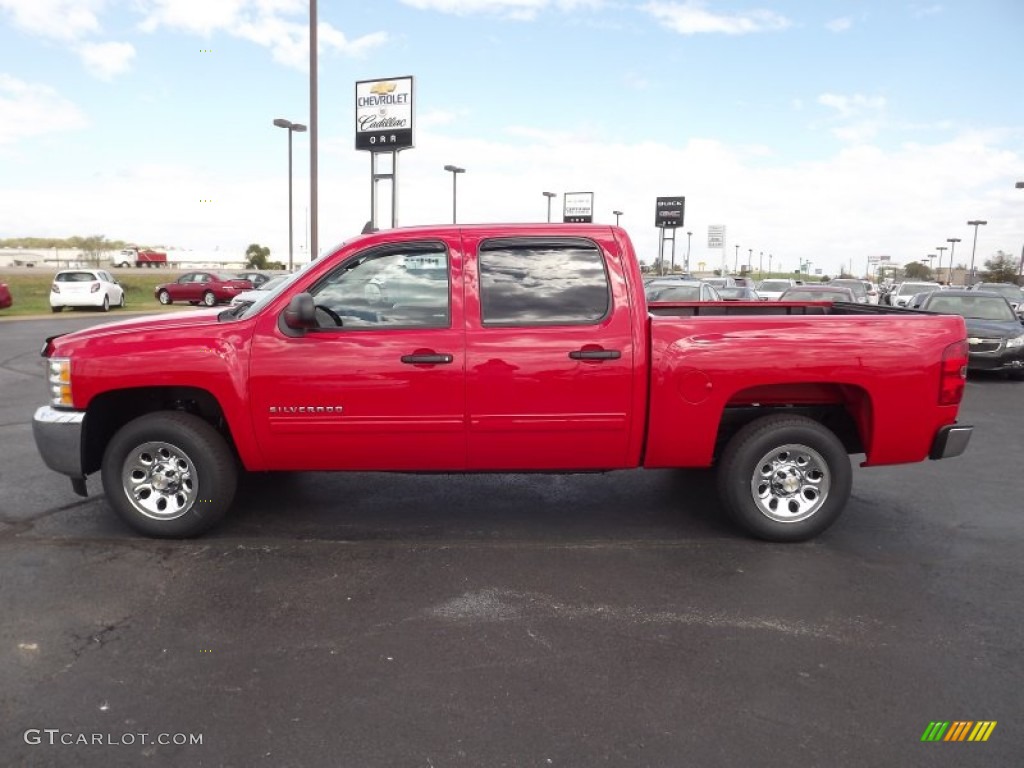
769 266
617 214
313 122
455 171
940 249
549 195
1020 269
974 246
952 249
736 263
291 128
688 235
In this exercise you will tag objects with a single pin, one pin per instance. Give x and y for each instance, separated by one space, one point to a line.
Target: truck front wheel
169 475
784 478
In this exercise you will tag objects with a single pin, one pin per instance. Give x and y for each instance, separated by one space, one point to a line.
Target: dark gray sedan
994 332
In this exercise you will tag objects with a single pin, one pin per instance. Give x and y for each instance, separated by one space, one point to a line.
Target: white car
772 288
248 297
905 292
85 288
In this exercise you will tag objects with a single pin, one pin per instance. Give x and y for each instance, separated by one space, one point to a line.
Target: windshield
735 293
76 277
821 294
674 293
974 307
266 295
774 285
856 286
909 289
1012 292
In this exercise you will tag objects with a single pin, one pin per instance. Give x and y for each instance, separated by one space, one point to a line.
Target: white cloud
692 18
30 109
105 60
839 25
516 10
862 200
199 17
520 10
58 19
265 22
920 11
858 117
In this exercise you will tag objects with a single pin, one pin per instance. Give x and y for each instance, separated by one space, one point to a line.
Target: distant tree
256 256
825 278
1001 268
915 270
93 247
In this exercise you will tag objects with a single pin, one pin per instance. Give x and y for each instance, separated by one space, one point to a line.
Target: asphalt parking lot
511 620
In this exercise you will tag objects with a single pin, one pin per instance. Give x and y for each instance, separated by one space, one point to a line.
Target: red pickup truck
499 348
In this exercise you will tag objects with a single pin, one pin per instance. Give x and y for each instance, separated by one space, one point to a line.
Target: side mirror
300 314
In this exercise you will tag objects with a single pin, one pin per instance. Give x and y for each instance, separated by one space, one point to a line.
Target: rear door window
561 281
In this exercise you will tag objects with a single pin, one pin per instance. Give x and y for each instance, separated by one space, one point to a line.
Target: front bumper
58 437
950 441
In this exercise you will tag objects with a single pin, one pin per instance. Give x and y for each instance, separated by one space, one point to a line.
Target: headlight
59 377
1014 343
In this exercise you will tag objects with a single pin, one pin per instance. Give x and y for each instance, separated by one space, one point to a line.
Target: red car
210 288
5 296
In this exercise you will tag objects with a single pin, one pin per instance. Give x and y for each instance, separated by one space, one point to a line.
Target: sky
822 131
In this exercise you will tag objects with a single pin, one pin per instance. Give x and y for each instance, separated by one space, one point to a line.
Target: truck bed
727 308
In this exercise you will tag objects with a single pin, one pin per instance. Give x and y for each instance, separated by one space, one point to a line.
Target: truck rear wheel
169 475
784 478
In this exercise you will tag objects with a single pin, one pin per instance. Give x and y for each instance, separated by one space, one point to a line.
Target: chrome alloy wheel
790 483
160 480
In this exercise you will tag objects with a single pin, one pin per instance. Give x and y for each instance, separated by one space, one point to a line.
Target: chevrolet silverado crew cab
499 348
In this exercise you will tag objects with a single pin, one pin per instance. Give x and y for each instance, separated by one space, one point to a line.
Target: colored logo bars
959 730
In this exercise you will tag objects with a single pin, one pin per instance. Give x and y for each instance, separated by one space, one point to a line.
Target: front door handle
595 354
431 359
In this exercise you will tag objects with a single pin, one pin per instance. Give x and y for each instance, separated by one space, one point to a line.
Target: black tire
122 303
810 478
209 299
1016 375
106 304
174 459
164 298
57 309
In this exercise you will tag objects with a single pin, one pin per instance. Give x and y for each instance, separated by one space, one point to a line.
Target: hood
166 322
993 329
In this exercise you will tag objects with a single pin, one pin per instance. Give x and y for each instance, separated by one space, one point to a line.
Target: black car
256 278
994 332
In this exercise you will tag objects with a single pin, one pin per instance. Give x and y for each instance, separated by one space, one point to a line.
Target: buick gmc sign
668 211
384 114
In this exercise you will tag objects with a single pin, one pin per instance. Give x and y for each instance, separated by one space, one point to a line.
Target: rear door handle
595 354
432 359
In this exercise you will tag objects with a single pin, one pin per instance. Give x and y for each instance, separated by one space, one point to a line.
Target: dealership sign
578 208
384 114
668 211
